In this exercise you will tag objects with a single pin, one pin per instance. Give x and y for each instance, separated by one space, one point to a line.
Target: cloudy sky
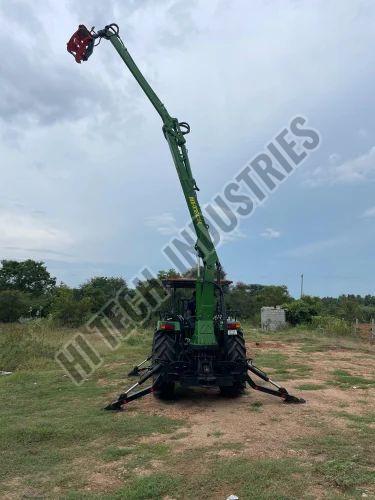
88 186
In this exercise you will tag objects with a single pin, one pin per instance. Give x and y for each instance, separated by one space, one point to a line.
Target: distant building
272 318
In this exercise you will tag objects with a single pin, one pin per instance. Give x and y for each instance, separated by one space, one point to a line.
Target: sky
87 182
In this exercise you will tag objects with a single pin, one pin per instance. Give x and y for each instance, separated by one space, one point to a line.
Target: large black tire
164 350
235 351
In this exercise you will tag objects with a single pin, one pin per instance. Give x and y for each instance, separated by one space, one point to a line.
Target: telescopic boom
81 46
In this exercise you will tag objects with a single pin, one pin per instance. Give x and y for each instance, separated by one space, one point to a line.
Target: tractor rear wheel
164 351
235 350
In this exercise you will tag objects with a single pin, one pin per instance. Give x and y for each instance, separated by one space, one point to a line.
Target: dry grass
58 442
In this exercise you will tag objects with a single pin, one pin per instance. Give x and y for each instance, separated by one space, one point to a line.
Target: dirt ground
200 445
263 425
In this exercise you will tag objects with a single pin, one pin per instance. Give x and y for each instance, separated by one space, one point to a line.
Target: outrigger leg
126 397
150 371
281 392
137 369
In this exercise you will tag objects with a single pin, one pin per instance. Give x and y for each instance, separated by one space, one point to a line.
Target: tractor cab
179 314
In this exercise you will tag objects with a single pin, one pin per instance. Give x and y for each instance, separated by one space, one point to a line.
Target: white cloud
370 212
270 234
164 223
333 158
93 156
24 236
234 235
314 247
354 170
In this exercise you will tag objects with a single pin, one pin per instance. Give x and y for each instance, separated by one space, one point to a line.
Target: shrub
69 310
331 325
13 305
100 290
20 350
300 311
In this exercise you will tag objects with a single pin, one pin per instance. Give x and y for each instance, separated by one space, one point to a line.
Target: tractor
197 342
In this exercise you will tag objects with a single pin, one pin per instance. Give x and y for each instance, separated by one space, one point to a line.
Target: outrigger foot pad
289 399
125 398
134 372
116 406
280 392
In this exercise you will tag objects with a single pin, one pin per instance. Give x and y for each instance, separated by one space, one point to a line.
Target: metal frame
129 395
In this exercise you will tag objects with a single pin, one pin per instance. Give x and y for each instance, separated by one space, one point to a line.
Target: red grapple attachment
81 44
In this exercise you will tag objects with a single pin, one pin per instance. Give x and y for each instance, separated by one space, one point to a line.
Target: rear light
167 326
234 326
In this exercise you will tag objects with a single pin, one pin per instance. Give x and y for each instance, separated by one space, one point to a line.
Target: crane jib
81 46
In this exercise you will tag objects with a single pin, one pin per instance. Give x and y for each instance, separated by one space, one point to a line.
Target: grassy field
56 441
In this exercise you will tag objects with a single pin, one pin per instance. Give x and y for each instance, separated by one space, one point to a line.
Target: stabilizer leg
137 369
126 397
280 392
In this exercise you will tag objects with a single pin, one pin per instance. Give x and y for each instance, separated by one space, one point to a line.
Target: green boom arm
174 133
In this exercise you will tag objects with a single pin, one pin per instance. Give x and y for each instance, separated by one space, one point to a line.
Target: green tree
242 299
248 299
300 311
273 296
168 274
367 313
369 300
100 290
27 276
68 308
192 273
314 302
348 308
13 305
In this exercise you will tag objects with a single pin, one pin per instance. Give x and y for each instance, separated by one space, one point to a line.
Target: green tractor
223 364
196 342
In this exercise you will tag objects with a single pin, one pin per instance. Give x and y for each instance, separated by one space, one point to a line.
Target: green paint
173 132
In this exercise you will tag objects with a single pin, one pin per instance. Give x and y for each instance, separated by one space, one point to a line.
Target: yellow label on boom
195 208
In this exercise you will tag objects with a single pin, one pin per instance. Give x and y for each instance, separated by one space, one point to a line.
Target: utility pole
301 286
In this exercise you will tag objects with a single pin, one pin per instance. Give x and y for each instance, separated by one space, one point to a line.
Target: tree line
28 291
